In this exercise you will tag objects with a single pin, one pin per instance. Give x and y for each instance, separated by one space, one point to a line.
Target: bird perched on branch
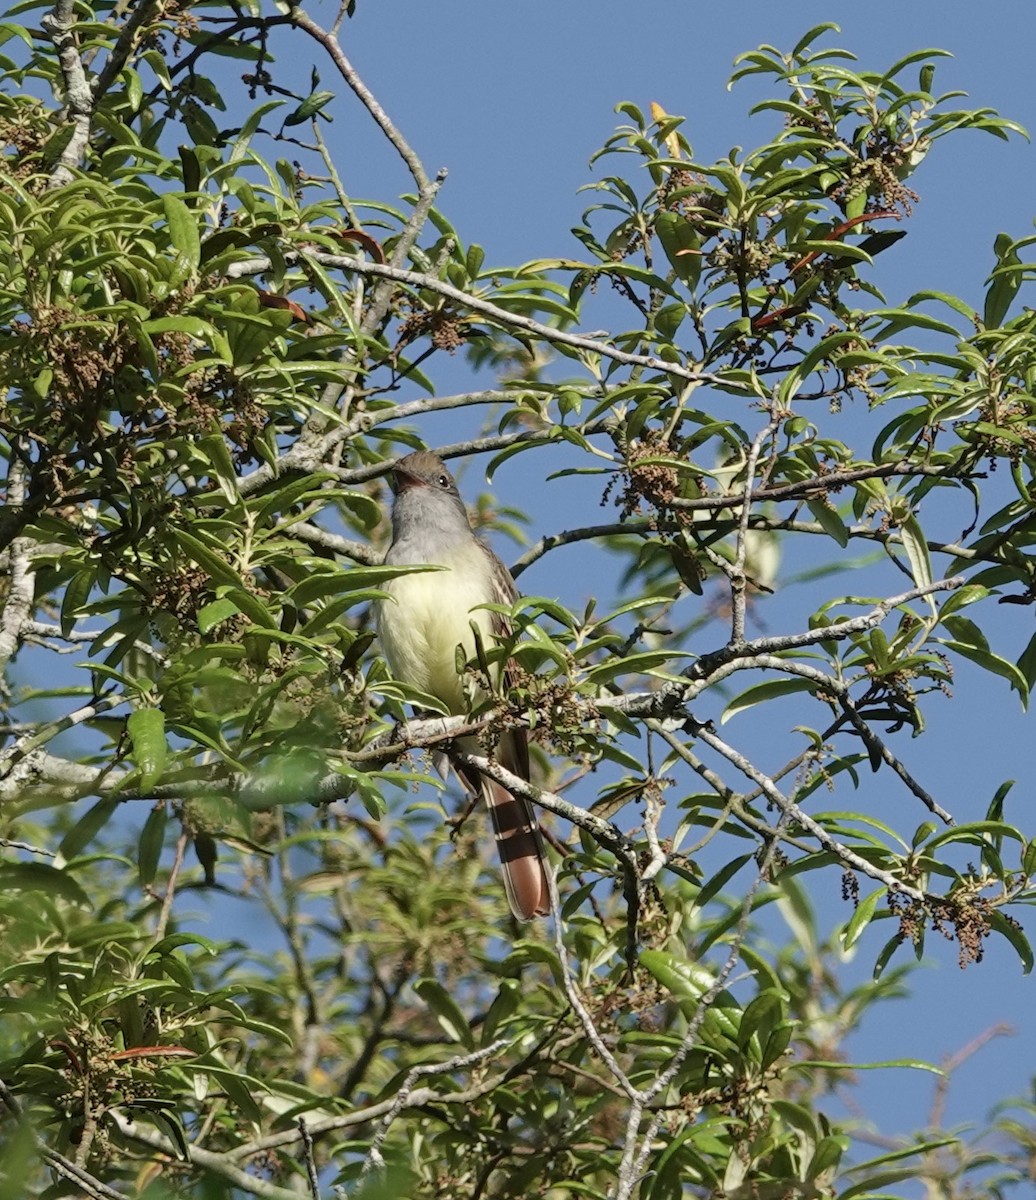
427 616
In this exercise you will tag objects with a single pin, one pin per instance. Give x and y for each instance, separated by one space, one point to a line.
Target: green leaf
184 236
991 662
149 848
77 593
886 953
313 104
446 1011
719 881
508 998
1015 935
688 982
292 492
916 551
762 693
910 1064
861 918
829 520
169 1123
680 243
827 1156
761 1016
632 664
220 466
976 833
146 729
216 613
41 877
220 571
85 829
1004 285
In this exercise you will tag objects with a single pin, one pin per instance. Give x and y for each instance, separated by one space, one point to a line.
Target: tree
211 350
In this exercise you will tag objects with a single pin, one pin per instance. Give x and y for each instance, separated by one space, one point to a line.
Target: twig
43 629
366 421
40 767
359 552
575 1001
378 307
404 1097
8 844
837 630
815 486
348 72
953 1061
876 746
792 810
170 890
360 1116
828 686
607 834
482 445
311 1166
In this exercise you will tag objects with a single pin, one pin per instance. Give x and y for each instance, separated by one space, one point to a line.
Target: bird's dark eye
444 480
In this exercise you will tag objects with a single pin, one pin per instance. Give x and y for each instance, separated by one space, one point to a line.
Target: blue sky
513 99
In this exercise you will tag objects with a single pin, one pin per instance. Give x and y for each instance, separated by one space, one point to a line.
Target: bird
424 618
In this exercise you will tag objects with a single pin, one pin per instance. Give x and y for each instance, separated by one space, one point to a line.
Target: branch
736 575
404 1096
59 24
87 1184
604 832
21 589
827 685
26 744
218 1164
39 766
817 484
501 316
634 1162
42 629
951 1062
878 748
838 631
140 14
575 1001
359 552
348 72
377 310
364 422
870 534
792 810
360 1116
302 458
568 537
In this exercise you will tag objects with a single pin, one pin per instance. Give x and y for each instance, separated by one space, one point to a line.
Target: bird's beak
403 481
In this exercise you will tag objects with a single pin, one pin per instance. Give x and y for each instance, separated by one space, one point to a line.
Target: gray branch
79 101
501 316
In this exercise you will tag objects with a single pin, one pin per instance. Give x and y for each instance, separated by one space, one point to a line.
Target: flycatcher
427 616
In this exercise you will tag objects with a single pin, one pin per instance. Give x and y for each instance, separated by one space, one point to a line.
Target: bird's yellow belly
431 618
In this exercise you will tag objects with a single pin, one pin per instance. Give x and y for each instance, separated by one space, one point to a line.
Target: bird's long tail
518 840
